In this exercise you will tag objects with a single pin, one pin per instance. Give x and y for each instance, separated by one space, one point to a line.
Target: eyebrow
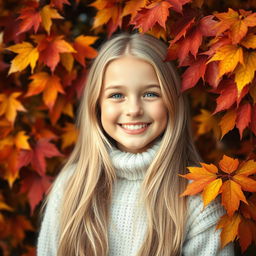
121 86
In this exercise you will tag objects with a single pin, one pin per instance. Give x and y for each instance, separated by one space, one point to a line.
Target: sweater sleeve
202 238
47 243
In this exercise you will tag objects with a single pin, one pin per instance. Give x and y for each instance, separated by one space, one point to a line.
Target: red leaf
253 120
228 95
206 26
243 118
211 74
59 3
35 186
30 17
196 71
157 12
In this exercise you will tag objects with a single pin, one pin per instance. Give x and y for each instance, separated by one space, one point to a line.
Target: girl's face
132 109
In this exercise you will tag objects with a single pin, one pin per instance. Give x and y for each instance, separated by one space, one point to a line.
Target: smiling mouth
135 127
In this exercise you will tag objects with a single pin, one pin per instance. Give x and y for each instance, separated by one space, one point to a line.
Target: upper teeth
134 127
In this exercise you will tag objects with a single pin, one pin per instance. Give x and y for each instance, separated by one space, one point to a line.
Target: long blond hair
87 197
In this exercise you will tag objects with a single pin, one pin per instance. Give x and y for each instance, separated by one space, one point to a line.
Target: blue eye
116 96
151 94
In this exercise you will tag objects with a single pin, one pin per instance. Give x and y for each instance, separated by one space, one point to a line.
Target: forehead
129 69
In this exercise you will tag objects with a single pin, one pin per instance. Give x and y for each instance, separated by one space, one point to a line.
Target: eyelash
112 95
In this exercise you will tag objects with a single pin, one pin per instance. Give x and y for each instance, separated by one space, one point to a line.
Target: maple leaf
67 60
192 74
228 122
243 117
48 13
237 23
156 12
249 41
50 47
228 95
9 106
59 3
244 74
207 122
35 187
21 140
83 48
69 137
229 56
132 7
229 181
30 17
27 55
42 149
50 85
253 119
229 226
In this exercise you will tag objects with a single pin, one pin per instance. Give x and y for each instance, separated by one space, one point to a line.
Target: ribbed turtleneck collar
133 166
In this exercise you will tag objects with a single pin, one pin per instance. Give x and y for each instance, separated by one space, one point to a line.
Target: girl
118 193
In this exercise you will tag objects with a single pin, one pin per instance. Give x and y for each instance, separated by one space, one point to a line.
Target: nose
134 108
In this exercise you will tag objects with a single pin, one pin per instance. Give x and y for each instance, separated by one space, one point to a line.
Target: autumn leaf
9 105
42 149
132 7
229 57
229 226
50 47
230 181
193 73
69 136
156 12
50 85
227 122
83 48
35 187
27 55
244 74
48 13
243 117
59 3
30 17
207 122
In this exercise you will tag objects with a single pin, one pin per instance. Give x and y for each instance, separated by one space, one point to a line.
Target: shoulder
199 218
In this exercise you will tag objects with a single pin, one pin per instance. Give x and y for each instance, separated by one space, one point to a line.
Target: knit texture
127 224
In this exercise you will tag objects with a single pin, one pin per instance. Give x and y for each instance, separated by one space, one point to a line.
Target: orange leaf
211 191
249 41
48 13
157 12
21 140
247 168
9 106
27 55
69 137
246 183
229 225
231 196
132 7
50 47
228 122
50 85
243 117
30 18
228 164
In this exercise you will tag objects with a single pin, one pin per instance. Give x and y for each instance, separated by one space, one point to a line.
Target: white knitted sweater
127 224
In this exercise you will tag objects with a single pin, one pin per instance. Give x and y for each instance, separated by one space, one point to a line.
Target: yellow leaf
48 13
68 110
69 136
247 168
21 140
102 17
229 225
211 191
50 85
244 74
207 122
9 106
67 61
4 206
249 41
27 55
228 122
231 196
229 56
132 7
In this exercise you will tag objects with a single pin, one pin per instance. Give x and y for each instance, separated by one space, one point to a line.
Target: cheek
159 112
109 113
